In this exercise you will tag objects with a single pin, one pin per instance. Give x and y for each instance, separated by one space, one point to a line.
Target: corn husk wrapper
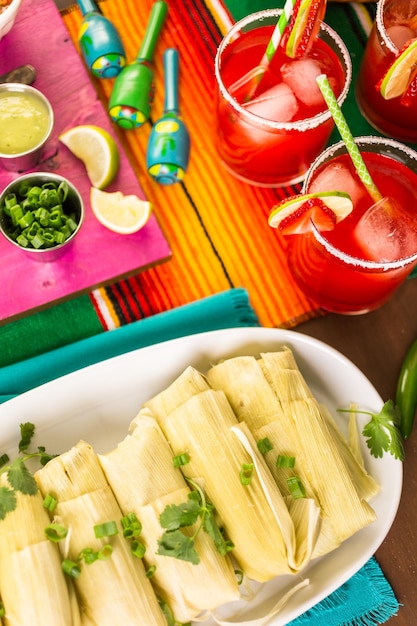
292 420
112 591
141 473
202 423
33 586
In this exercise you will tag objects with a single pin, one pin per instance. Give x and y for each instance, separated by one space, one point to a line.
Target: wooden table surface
376 343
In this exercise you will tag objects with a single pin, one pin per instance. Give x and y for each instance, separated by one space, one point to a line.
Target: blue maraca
169 142
100 42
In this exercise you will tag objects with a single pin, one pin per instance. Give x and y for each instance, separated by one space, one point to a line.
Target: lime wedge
97 149
304 26
400 73
119 213
325 209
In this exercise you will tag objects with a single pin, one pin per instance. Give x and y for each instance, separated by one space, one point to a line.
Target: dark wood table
376 343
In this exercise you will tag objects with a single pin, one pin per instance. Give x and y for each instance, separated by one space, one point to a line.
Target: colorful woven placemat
215 225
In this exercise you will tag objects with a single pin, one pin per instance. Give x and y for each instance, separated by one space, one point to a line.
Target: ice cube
386 232
277 104
400 34
301 76
337 176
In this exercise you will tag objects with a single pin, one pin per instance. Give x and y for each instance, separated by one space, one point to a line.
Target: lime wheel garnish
295 215
304 26
400 73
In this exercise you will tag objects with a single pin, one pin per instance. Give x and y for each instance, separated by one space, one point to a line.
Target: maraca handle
171 65
156 21
87 6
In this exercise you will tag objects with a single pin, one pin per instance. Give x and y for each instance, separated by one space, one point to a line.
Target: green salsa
24 122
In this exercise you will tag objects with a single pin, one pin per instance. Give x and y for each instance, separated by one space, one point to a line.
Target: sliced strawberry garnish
312 210
304 26
409 98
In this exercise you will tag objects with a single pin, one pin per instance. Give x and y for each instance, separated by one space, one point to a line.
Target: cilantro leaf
7 501
213 530
178 545
176 516
27 430
21 479
383 434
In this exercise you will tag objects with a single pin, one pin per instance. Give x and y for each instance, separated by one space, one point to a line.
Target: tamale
202 426
111 591
365 484
295 427
33 586
141 472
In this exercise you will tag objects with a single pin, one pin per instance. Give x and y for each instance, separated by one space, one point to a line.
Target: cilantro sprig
382 432
18 475
180 545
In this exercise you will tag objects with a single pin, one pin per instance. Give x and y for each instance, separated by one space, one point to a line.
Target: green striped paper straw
254 76
347 137
278 32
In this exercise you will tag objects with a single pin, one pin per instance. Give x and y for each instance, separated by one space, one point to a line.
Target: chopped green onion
107 529
181 459
285 461
105 552
40 206
88 555
2 611
150 571
70 568
296 487
131 526
49 502
138 549
56 532
239 576
264 445
246 473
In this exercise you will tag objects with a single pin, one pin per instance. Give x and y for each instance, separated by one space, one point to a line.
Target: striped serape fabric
216 225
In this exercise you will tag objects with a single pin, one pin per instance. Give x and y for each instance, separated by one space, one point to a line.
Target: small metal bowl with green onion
41 213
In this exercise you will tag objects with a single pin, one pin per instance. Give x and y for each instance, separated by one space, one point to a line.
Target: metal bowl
29 108
72 204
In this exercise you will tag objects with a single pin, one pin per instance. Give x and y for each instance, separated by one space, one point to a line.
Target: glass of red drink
271 140
393 27
357 266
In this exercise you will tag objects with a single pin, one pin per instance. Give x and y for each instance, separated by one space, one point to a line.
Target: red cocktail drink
272 139
394 26
357 266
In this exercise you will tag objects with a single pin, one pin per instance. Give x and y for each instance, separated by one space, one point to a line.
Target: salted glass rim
357 262
300 125
379 21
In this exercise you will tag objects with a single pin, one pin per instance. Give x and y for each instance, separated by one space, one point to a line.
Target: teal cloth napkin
224 310
366 599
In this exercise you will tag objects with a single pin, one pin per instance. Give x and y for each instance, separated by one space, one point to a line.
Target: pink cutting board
98 256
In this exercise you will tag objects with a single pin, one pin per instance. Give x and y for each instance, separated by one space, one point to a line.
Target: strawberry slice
304 26
410 95
296 214
313 210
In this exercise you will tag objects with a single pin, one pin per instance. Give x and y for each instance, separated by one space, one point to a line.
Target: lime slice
400 73
121 214
97 149
325 209
304 26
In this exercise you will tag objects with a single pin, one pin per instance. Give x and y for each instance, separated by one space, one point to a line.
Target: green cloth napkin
224 310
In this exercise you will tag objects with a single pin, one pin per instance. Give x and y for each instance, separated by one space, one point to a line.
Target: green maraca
132 93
